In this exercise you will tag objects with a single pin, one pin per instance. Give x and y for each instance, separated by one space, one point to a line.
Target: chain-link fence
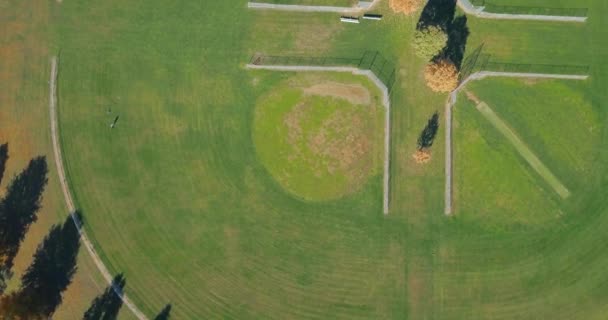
369 60
529 10
479 61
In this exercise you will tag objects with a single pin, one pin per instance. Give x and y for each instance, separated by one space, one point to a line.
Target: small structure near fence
349 19
371 16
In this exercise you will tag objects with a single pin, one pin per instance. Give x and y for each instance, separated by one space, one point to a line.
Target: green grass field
178 198
523 150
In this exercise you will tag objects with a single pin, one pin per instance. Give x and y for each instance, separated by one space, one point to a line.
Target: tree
107 305
406 6
441 75
18 211
426 139
164 314
428 42
427 136
51 272
3 159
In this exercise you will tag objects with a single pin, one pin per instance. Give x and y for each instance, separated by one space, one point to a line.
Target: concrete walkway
68 195
452 101
305 8
479 12
385 101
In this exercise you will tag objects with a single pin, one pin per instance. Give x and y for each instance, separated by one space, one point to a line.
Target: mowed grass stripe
523 150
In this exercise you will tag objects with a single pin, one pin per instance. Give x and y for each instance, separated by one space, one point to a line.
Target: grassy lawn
177 198
24 124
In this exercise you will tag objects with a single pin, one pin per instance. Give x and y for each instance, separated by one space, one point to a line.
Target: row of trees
54 262
441 39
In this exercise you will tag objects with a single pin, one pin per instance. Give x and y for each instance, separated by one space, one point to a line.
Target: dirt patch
339 144
342 143
531 81
353 93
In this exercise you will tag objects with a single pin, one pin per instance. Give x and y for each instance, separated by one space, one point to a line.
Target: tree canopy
441 75
429 42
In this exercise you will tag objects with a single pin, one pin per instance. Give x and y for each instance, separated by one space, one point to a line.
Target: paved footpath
305 8
479 12
68 195
448 117
385 101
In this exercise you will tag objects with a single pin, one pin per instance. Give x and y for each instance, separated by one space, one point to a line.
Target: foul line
68 196
385 101
523 149
452 101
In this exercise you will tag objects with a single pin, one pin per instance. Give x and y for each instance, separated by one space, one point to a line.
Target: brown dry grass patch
353 93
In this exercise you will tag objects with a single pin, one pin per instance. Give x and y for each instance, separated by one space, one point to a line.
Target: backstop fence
545 11
369 60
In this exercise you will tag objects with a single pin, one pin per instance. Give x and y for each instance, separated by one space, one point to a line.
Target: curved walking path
479 12
385 101
306 8
452 101
68 195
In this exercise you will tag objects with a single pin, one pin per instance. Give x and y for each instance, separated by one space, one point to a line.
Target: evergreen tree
3 159
427 136
164 314
107 305
19 208
48 276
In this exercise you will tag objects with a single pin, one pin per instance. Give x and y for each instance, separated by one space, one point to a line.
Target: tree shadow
458 33
51 272
427 136
107 305
3 159
437 13
164 314
19 208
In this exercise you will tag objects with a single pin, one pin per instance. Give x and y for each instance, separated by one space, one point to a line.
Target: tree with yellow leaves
441 75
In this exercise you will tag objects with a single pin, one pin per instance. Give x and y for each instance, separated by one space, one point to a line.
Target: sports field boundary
385 101
480 12
308 8
68 195
448 117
